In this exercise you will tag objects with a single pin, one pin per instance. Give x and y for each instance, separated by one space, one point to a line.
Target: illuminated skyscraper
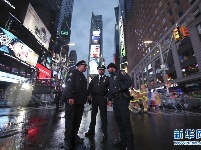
72 60
95 45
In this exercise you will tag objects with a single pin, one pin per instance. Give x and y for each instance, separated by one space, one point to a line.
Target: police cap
82 62
101 67
112 65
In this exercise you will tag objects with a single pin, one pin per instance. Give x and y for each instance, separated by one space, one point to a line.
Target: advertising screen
95 51
43 73
96 32
96 39
93 64
13 46
36 26
96 36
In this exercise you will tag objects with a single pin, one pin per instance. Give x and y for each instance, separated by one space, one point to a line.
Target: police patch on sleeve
70 74
123 72
69 79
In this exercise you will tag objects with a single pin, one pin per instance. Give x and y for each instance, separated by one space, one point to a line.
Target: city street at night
100 75
43 129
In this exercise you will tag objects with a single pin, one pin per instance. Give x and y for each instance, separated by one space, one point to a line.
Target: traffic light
184 31
177 34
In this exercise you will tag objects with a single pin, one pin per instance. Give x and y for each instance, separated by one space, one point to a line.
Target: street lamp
162 62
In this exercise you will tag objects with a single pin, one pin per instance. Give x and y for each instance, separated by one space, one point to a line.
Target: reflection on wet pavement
43 129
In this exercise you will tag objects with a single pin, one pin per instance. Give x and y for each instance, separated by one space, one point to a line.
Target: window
166 28
170 12
164 20
180 13
191 1
172 22
160 4
196 12
156 11
177 2
150 70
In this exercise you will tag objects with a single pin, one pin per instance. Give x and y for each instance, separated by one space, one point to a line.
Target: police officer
98 88
119 84
74 96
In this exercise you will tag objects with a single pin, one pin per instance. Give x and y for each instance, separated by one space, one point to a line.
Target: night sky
81 22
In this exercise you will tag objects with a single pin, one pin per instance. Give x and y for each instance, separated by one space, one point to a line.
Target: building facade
156 21
122 13
27 49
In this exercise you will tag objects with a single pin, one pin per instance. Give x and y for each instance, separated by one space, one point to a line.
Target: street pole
162 63
163 67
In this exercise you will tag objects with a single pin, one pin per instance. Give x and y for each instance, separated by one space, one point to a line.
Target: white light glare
63 85
26 86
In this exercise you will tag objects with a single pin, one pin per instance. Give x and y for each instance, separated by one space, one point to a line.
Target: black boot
67 145
118 142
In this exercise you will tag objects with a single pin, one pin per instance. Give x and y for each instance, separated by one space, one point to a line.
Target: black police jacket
119 82
76 87
97 86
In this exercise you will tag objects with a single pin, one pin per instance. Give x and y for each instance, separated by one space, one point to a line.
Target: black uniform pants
73 117
56 100
101 102
122 118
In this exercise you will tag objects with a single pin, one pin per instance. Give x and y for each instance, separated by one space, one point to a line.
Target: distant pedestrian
119 84
74 96
153 98
98 88
57 97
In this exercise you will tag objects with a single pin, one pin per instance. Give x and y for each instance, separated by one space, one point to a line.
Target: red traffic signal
184 31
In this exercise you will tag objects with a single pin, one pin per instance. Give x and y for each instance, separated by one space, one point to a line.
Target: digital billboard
95 51
96 36
96 32
35 25
43 73
13 46
93 64
96 39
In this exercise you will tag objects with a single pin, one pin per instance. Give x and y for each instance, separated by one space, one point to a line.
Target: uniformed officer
98 88
119 84
74 96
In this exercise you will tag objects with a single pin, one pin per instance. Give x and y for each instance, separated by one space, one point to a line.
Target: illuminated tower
95 45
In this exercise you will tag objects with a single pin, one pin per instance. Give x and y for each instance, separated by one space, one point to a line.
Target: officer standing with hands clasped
119 84
98 88
74 96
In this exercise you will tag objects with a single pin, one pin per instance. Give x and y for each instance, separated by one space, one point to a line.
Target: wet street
42 128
